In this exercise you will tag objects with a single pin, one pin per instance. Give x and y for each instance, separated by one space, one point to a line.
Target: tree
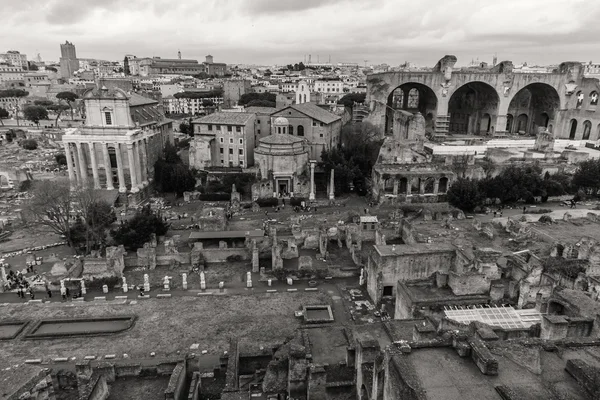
58 109
60 158
43 103
171 175
515 183
464 194
35 114
489 166
248 97
31 66
3 115
69 97
349 99
134 233
261 103
51 69
51 206
94 219
587 176
199 95
29 144
354 160
187 127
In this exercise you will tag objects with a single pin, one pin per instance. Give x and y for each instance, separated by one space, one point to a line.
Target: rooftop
413 249
314 111
225 118
138 100
261 110
281 139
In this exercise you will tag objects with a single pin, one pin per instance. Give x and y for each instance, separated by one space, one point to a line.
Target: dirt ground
164 326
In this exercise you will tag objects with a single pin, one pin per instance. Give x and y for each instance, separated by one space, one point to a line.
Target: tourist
63 293
141 291
524 209
494 214
31 294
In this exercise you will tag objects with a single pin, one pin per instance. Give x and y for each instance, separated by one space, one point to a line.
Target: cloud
283 31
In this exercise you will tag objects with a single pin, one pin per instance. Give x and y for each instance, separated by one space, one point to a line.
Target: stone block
305 263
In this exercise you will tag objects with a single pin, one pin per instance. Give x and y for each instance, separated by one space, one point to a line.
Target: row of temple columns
422 182
137 160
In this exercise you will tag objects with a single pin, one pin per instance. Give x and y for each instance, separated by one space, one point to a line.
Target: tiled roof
280 139
314 111
138 100
261 110
230 118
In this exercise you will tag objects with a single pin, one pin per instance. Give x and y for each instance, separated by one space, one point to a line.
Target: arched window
594 98
397 98
291 130
300 130
573 129
304 98
413 98
443 185
587 129
580 97
522 121
278 129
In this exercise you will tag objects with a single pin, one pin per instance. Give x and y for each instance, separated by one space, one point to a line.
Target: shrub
215 197
110 281
29 144
539 211
297 201
61 159
546 219
234 258
268 202
280 274
25 185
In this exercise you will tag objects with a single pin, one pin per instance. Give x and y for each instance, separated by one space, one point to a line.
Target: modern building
233 90
223 139
176 66
117 147
329 86
14 58
68 60
319 127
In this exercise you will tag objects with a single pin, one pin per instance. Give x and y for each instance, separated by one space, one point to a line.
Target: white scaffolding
504 317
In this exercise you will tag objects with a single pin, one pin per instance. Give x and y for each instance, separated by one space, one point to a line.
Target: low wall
176 388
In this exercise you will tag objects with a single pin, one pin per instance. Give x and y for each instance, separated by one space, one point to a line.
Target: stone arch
579 97
522 123
412 97
572 129
486 123
509 122
403 183
429 185
443 185
587 130
4 181
594 98
539 101
388 184
468 105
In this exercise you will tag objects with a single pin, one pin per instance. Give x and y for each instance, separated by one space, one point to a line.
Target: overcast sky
284 31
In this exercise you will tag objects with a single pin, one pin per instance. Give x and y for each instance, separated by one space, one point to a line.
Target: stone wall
177 383
469 283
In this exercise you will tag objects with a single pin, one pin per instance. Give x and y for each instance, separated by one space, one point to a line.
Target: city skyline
280 32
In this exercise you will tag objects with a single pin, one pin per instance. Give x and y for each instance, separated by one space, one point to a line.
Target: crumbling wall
469 283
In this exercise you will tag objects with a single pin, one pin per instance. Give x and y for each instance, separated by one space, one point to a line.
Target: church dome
281 121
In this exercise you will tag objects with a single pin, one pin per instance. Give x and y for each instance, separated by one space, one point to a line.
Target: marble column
120 169
107 167
92 146
436 186
331 185
138 163
421 186
395 193
132 168
68 155
82 164
408 186
146 162
311 196
76 165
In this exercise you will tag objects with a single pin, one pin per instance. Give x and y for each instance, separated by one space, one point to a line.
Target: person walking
31 294
63 293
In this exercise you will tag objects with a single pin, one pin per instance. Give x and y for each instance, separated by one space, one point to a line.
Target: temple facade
123 136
